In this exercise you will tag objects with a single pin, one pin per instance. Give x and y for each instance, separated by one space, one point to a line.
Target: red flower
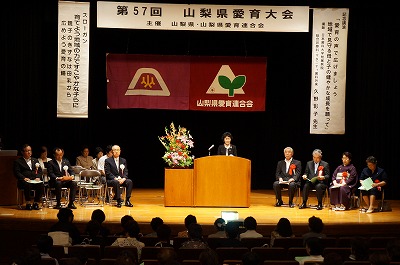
320 168
291 168
377 181
345 174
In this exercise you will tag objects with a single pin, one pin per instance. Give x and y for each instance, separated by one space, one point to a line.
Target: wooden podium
178 187
222 181
8 195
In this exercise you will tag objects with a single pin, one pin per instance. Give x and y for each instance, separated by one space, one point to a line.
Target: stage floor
149 203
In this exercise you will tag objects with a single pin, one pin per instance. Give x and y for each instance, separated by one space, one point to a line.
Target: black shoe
291 204
28 206
128 204
303 205
119 204
71 206
58 206
35 206
319 207
279 204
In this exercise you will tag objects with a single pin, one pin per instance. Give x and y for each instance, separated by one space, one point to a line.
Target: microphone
211 147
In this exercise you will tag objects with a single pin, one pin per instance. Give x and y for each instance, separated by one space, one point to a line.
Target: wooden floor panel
149 203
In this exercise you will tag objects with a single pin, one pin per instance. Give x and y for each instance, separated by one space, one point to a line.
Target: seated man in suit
316 175
60 173
287 176
27 169
116 171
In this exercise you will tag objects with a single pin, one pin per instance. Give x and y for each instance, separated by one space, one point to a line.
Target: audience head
30 256
45 244
125 219
284 228
167 256
314 246
208 257
132 228
219 224
315 224
251 258
379 257
156 222
359 249
393 249
65 215
98 215
126 257
164 232
250 223
190 219
195 231
93 228
232 229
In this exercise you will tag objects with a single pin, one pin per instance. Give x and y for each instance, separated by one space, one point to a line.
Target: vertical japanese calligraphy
328 75
73 59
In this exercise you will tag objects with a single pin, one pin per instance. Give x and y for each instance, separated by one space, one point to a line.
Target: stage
21 227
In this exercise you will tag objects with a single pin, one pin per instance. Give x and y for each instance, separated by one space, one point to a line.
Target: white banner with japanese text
205 17
73 59
328 75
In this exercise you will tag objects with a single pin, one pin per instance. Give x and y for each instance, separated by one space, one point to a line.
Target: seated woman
283 229
379 179
344 179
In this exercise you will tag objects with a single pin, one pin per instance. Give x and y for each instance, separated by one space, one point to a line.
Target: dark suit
320 185
231 150
22 171
112 172
54 171
282 173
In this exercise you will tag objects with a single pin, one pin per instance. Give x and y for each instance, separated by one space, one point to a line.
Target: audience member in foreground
45 246
164 236
316 226
189 219
250 223
133 229
154 224
219 225
314 249
65 224
283 229
99 216
195 237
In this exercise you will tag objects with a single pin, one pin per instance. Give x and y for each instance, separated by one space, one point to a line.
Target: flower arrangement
177 143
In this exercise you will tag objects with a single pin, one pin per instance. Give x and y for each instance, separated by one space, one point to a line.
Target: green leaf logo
226 83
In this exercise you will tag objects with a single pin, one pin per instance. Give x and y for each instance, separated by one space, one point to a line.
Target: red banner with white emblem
186 82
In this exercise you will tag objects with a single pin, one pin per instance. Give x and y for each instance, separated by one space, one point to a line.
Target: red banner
228 83
185 82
